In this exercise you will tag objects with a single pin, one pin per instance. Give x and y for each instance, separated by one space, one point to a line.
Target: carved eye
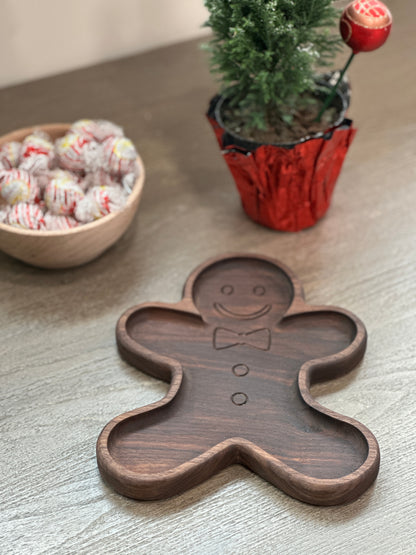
227 290
259 290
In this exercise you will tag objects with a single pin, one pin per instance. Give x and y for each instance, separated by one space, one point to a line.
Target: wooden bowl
73 247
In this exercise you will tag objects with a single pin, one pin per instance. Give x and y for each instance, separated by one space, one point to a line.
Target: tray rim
237 450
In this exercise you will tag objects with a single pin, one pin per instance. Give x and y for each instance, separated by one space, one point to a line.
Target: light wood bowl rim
135 193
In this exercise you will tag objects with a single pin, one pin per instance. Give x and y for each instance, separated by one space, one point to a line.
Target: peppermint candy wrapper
78 153
129 180
44 178
59 223
92 168
37 154
99 130
10 155
119 156
99 178
99 202
18 186
61 196
42 135
25 216
365 25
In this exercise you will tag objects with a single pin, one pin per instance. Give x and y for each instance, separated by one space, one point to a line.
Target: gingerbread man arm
149 333
328 342
171 442
317 333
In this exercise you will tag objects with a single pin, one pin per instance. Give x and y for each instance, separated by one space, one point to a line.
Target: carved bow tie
258 339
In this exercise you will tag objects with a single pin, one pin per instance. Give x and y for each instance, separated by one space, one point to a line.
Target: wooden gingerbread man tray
240 351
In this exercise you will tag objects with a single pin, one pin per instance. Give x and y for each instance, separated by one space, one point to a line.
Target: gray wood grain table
62 379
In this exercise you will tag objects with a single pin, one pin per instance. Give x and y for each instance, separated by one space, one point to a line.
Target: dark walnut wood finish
240 351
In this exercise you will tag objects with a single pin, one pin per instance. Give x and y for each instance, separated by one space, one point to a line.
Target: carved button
240 370
239 398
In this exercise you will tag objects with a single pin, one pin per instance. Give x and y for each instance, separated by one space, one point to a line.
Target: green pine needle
266 52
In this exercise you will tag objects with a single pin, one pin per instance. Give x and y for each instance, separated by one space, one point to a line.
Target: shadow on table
238 482
76 294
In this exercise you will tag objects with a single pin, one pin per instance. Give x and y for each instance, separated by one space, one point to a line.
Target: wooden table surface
62 379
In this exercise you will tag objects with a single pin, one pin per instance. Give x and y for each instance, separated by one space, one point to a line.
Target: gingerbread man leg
162 452
316 345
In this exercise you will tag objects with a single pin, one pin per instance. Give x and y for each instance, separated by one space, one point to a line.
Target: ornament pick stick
365 26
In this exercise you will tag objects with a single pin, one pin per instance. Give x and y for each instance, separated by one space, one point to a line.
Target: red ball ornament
365 25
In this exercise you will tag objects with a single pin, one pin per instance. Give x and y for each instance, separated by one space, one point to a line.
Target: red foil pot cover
286 189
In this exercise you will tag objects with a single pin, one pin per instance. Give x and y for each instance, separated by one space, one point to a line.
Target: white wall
45 37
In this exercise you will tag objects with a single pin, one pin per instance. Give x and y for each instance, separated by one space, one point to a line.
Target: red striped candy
119 156
25 216
61 196
19 186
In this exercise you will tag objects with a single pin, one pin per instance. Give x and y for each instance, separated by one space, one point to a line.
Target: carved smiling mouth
224 311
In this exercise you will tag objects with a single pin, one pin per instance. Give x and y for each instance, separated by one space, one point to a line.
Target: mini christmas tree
266 53
282 130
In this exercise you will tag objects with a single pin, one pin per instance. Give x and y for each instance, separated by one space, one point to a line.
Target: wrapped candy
37 132
10 155
99 202
119 156
44 178
99 130
61 195
98 178
19 186
90 171
26 216
365 25
37 154
54 222
78 152
128 181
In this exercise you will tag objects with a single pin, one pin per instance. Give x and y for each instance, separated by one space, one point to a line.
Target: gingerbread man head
246 291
